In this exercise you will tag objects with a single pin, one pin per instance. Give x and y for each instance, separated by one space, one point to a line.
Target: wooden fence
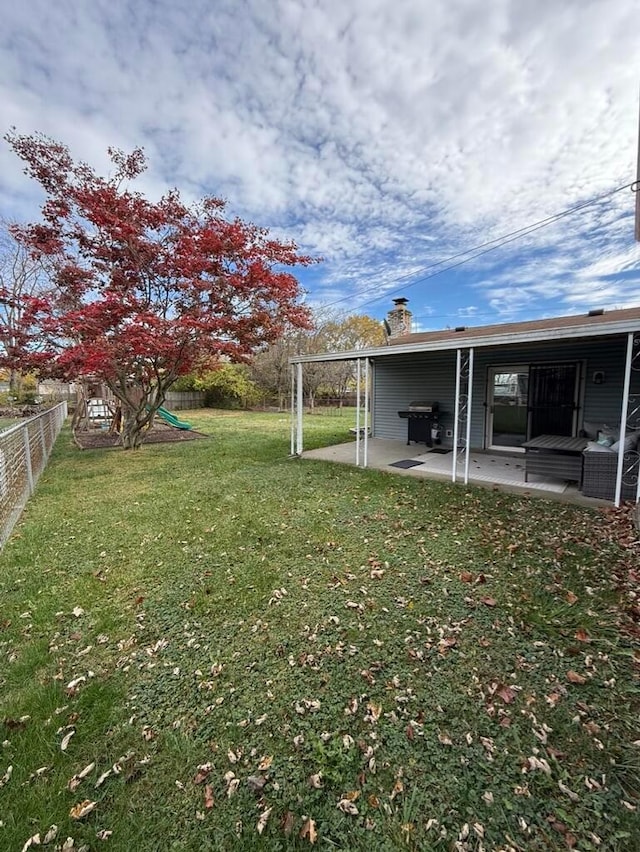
183 400
24 452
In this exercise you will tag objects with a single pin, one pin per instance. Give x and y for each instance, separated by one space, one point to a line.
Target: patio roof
594 324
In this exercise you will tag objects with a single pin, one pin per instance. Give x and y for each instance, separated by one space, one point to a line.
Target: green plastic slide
172 420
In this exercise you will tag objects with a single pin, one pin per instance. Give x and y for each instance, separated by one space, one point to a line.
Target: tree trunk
135 421
138 406
15 383
131 436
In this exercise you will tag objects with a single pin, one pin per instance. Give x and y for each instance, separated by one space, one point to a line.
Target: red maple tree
144 290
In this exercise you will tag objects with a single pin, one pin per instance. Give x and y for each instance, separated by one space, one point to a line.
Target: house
548 389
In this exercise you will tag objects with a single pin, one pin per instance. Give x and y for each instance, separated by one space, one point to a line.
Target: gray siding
432 377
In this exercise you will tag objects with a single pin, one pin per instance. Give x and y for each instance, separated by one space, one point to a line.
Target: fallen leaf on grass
540 763
82 809
308 831
208 796
571 598
347 807
265 763
204 770
66 740
264 818
445 643
105 834
72 687
573 796
34 840
16 724
373 712
51 835
489 601
75 782
315 781
398 788
287 823
233 783
506 693
574 677
582 635
7 775
103 777
479 829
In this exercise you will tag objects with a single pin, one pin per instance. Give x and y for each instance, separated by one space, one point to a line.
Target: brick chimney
399 319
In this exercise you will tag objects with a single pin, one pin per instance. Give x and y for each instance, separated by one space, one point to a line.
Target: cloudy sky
387 136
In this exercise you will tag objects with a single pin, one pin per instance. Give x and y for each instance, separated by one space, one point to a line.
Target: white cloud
382 135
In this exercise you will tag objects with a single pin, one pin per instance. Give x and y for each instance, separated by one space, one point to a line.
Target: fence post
27 457
43 443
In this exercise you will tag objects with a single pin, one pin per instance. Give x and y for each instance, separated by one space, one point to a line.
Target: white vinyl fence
24 452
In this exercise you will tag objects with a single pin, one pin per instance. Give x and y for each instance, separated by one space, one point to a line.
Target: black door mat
440 450
405 463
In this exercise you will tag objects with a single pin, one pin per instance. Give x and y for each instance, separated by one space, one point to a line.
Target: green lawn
209 645
8 422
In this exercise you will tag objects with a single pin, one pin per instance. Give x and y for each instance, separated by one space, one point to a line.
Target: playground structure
98 408
172 420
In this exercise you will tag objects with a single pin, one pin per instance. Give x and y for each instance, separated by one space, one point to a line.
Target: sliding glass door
507 402
527 400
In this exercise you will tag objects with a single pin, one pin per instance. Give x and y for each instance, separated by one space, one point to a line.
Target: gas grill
422 422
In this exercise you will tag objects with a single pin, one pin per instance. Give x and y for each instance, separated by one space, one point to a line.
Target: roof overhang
470 341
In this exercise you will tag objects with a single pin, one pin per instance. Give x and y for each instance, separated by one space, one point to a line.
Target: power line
483 248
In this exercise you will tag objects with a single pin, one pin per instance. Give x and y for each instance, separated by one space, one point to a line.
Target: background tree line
266 379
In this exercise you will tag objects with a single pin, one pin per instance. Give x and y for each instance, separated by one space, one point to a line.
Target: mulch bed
97 439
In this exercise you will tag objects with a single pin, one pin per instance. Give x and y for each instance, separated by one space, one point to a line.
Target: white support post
358 412
456 415
366 411
467 452
293 410
623 417
299 406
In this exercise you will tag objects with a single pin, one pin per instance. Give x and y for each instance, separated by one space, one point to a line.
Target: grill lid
418 405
